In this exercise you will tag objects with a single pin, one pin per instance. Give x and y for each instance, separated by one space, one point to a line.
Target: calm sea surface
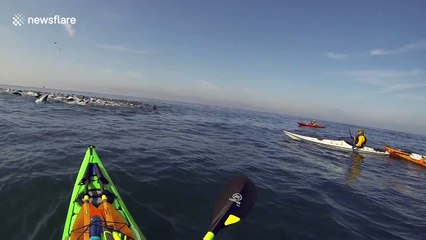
169 165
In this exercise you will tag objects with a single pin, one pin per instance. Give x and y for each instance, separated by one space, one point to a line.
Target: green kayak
96 210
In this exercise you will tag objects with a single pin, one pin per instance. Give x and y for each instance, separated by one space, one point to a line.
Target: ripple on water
170 166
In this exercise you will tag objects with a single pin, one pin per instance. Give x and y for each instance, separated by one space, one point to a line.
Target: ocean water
169 166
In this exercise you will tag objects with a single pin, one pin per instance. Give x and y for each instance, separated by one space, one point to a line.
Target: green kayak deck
94 181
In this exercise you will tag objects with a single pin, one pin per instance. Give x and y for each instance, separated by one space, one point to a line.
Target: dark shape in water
19 93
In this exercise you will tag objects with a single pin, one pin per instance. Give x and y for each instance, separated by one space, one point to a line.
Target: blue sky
359 62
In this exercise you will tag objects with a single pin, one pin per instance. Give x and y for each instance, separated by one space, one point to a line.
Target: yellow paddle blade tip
231 220
209 236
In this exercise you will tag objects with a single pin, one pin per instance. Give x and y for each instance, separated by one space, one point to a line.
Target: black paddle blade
234 203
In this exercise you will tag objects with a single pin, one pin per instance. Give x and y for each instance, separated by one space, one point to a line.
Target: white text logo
19 20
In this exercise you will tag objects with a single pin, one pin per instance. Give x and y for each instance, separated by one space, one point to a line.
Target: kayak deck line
335 144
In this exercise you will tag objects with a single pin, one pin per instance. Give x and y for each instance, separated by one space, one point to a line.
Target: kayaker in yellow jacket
360 139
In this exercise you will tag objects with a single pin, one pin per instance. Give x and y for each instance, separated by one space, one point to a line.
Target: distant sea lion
42 98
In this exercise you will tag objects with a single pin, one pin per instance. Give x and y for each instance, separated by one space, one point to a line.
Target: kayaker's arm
356 141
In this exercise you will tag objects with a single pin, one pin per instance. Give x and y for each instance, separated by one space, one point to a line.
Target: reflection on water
354 170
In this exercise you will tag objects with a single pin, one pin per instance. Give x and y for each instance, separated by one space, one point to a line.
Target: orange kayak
412 157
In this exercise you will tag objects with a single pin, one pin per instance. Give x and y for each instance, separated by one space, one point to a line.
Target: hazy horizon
307 118
362 63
